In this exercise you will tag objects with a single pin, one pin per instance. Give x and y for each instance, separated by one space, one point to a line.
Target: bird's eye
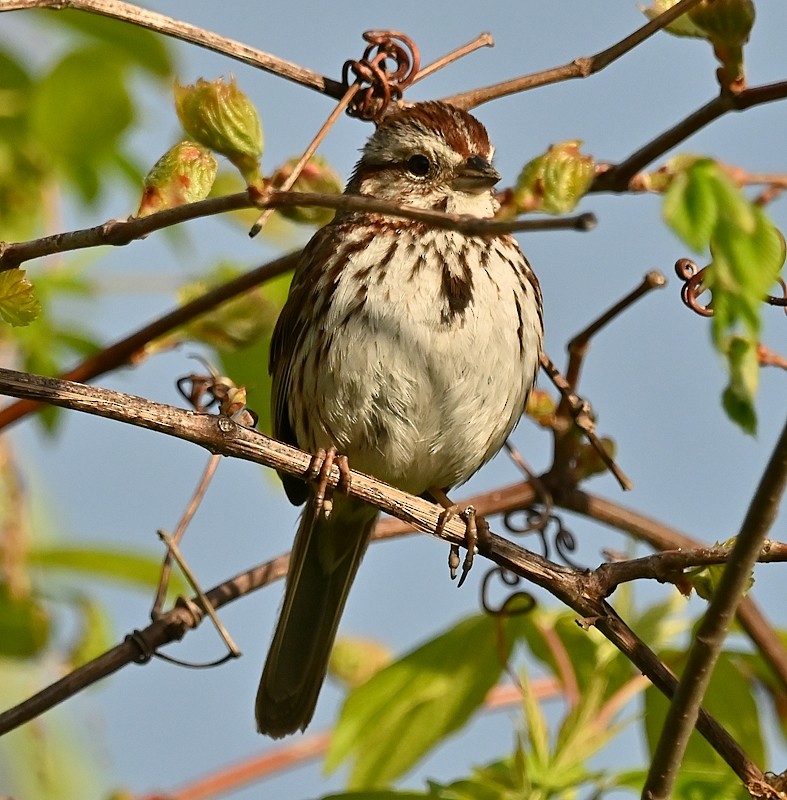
419 165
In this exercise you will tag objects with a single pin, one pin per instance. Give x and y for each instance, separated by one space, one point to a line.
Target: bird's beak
476 175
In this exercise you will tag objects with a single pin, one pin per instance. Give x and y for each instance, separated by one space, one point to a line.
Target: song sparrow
409 349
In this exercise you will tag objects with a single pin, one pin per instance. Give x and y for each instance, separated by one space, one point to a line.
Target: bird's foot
473 523
319 469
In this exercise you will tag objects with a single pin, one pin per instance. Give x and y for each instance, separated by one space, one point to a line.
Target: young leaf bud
355 660
184 174
317 176
555 181
220 116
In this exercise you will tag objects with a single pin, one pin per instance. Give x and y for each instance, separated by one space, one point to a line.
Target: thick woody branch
574 587
143 18
712 631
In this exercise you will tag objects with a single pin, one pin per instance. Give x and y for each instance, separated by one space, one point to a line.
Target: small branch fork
581 590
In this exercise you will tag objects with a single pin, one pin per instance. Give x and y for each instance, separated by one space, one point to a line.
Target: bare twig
135 15
121 232
579 411
174 550
188 515
618 178
712 631
483 40
578 346
578 68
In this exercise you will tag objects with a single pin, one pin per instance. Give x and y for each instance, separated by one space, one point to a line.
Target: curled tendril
694 287
539 523
389 65
515 604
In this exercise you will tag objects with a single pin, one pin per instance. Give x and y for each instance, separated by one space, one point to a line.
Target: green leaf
730 698
690 205
705 208
548 632
392 721
738 397
54 758
78 113
18 303
24 625
142 47
96 633
383 794
115 565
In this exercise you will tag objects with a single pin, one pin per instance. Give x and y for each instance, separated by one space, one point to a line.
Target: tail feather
324 560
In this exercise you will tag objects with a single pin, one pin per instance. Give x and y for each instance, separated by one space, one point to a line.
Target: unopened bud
220 116
589 461
541 407
316 176
184 174
726 24
555 181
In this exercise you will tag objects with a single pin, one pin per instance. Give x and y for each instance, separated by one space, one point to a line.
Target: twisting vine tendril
694 286
388 65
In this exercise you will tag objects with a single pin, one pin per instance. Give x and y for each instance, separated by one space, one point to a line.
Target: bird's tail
324 560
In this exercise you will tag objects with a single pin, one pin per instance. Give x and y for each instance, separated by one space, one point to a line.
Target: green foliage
82 140
390 722
731 700
239 331
129 567
221 117
706 210
53 759
18 303
24 625
555 181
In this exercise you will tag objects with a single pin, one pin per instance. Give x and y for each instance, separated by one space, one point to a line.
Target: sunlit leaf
24 625
95 633
730 698
392 721
115 565
18 302
78 112
142 47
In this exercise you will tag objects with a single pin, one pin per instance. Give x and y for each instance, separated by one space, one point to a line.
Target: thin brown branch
221 435
618 178
482 40
578 410
712 631
578 346
143 18
119 232
663 537
668 566
188 515
578 68
123 351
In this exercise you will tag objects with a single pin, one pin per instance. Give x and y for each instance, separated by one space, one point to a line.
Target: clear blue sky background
653 378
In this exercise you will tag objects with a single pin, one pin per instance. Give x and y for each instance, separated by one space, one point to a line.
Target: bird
408 349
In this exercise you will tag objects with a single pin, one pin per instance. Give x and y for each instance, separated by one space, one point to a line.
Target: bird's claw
319 469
